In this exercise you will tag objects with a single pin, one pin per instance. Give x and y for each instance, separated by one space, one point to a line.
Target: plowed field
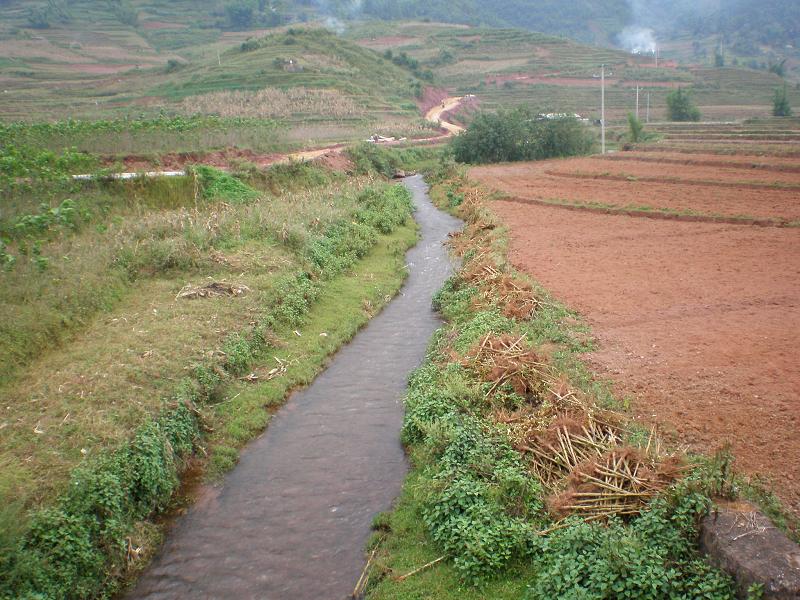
696 321
722 191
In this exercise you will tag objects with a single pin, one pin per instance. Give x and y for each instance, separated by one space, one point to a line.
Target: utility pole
603 107
219 60
637 101
656 57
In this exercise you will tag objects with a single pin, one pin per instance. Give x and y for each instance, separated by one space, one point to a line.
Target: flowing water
291 520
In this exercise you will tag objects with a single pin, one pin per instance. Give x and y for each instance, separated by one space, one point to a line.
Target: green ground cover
114 383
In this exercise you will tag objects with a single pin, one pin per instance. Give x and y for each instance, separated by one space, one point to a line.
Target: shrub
680 106
654 557
780 103
635 128
370 158
218 185
521 134
385 209
77 548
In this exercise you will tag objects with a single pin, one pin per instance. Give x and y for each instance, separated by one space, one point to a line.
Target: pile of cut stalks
574 448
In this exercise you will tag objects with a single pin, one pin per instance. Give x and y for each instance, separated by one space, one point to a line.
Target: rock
742 541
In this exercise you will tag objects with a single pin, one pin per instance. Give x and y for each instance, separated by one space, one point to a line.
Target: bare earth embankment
696 321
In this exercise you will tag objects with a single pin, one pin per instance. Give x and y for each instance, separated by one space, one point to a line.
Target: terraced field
511 67
647 188
695 311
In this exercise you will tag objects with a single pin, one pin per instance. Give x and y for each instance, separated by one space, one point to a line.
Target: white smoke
637 40
335 25
338 11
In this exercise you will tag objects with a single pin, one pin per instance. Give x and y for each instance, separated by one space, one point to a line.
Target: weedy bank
153 324
527 478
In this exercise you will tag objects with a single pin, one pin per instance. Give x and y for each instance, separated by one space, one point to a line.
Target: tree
239 14
635 128
779 68
780 103
680 106
521 134
719 59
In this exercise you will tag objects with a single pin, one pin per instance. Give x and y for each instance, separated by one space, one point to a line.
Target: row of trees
521 134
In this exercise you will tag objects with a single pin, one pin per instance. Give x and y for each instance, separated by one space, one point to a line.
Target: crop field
319 86
685 263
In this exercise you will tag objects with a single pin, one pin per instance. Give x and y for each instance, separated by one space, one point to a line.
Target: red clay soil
697 322
431 97
177 161
760 163
530 181
718 173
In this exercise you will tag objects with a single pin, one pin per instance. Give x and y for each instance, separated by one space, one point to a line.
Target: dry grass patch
273 103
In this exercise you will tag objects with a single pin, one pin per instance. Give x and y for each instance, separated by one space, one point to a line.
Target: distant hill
747 27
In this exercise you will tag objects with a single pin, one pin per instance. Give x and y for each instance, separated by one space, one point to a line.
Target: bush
635 128
653 557
369 158
521 134
680 106
780 103
218 185
76 549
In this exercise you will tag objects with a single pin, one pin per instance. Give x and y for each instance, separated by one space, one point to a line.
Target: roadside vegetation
521 134
154 324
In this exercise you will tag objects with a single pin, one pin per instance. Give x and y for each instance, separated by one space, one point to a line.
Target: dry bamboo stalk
422 568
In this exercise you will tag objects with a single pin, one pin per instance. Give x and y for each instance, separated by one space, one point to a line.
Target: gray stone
742 541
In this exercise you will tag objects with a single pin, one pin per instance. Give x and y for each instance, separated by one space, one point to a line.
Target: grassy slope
95 67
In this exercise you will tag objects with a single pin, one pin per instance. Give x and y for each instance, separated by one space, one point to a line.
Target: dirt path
696 322
176 163
435 115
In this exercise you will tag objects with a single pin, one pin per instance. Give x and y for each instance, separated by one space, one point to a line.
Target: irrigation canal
291 520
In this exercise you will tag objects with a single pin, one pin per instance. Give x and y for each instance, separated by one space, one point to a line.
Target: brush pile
213 289
619 483
577 453
514 297
506 359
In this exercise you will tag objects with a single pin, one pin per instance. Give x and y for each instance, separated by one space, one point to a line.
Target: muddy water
291 521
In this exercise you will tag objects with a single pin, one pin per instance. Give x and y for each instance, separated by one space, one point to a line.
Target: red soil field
696 322
717 173
531 181
707 160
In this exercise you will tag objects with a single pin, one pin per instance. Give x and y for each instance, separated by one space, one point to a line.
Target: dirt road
435 115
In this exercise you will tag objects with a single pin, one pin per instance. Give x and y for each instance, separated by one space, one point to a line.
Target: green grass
343 307
320 259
